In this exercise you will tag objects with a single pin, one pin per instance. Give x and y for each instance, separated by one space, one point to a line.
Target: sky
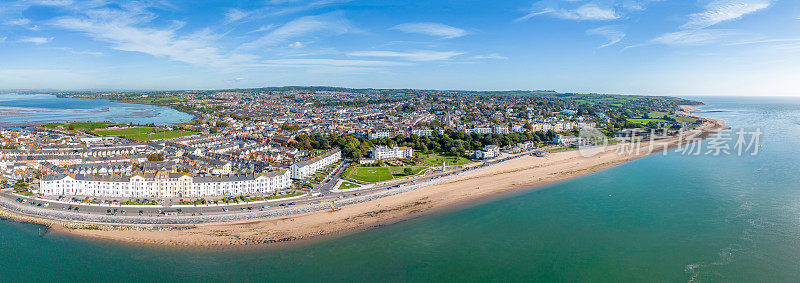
657 47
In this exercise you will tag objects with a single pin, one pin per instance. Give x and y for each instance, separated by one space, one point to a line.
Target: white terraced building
385 152
306 168
164 184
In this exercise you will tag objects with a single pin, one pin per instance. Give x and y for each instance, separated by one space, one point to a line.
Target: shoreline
514 176
194 115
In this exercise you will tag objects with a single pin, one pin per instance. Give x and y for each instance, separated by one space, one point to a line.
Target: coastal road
327 189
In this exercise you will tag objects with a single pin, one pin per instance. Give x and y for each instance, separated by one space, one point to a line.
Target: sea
682 217
22 110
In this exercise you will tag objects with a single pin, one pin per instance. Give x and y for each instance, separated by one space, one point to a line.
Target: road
326 190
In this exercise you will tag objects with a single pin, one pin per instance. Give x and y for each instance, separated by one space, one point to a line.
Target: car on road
291 203
224 209
265 207
282 204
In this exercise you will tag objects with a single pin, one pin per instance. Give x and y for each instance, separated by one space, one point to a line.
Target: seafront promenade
214 213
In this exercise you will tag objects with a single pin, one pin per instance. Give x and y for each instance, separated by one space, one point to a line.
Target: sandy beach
522 173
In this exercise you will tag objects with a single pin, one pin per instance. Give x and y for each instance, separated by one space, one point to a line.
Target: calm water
674 219
37 109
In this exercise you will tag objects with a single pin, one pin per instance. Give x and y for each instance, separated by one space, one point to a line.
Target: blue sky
668 47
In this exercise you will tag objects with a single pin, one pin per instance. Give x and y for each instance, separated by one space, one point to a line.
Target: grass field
80 126
397 171
645 121
435 159
144 133
657 117
347 186
369 174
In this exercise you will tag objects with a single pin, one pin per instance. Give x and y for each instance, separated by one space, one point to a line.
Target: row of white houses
164 184
307 168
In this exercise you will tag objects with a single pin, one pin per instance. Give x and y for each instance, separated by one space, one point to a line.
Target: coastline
520 174
170 106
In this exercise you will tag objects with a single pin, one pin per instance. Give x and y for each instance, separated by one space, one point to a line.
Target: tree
222 124
454 151
528 126
213 130
156 157
408 171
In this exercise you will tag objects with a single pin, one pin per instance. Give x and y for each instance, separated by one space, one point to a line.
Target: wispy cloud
589 11
612 33
694 37
234 15
432 29
493 56
264 28
296 45
36 40
78 52
280 8
698 29
411 56
22 22
332 23
124 28
18 22
331 63
724 10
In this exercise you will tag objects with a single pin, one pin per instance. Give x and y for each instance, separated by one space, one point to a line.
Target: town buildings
164 184
307 168
393 152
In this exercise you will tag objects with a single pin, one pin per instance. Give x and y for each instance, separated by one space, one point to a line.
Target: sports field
144 133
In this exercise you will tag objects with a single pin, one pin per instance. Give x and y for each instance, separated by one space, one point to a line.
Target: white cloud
693 37
494 56
264 28
235 14
77 52
293 8
331 63
589 11
724 10
296 45
612 33
411 56
52 2
19 22
697 32
123 29
36 40
331 23
432 29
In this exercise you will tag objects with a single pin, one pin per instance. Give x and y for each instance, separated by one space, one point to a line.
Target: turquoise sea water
18 110
669 219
